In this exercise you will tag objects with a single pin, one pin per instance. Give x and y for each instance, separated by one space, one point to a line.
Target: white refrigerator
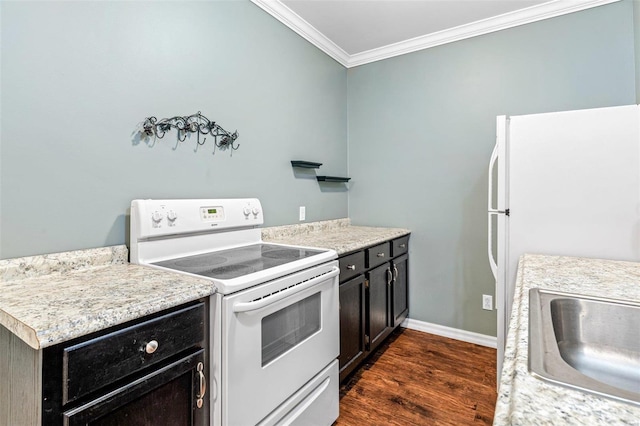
564 183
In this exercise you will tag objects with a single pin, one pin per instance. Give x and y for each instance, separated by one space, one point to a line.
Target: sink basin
586 343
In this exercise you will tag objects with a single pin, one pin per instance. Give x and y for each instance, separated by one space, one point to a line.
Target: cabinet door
166 396
352 311
400 289
378 306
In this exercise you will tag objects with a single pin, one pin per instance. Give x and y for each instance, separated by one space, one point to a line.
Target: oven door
277 337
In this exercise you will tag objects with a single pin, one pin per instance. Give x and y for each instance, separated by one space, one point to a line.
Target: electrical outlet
487 302
303 212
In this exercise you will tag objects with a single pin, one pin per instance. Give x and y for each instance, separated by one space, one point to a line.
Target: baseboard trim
452 333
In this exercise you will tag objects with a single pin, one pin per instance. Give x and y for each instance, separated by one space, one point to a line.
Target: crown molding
497 23
508 20
292 20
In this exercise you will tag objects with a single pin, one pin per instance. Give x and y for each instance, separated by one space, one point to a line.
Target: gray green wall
636 27
78 77
422 127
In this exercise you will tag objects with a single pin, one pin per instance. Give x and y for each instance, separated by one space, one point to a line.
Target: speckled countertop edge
527 400
338 235
45 300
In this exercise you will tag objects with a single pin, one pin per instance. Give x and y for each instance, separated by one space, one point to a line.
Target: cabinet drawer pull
395 272
403 245
380 254
351 267
389 277
151 347
203 385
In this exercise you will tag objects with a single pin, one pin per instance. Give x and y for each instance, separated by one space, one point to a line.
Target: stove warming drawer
315 404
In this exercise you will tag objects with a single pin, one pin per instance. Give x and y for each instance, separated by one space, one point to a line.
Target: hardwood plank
417 378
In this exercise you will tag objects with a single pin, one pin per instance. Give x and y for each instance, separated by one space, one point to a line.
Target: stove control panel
155 218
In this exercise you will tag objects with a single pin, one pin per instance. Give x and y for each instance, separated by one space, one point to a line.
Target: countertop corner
526 400
49 299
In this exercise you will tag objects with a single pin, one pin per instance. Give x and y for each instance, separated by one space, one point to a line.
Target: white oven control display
211 214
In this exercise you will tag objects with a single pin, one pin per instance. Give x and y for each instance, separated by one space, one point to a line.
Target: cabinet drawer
399 246
351 265
377 255
90 365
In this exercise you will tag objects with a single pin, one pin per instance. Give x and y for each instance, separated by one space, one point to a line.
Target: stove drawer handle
249 307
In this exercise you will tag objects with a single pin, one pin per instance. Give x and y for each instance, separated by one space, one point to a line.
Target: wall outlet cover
487 302
303 213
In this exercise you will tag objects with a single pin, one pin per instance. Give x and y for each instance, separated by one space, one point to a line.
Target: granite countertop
527 400
338 235
49 299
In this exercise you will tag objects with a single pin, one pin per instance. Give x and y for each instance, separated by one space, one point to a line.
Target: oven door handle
276 297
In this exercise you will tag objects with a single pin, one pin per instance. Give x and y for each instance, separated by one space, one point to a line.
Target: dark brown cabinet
374 299
149 371
164 397
352 323
379 324
400 295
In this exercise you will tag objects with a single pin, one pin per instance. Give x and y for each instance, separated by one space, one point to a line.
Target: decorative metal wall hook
185 126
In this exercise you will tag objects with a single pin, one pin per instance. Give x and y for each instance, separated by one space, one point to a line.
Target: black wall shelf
305 164
332 179
312 165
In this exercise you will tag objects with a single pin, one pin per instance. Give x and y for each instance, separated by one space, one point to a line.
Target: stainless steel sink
586 343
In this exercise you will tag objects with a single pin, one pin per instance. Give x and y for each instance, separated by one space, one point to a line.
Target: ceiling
355 32
357 26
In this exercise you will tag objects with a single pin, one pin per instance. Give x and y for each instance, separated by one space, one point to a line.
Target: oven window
286 328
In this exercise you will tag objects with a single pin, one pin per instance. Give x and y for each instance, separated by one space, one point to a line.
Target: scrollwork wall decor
185 126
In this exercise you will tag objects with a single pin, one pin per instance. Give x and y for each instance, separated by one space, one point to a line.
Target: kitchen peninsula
526 400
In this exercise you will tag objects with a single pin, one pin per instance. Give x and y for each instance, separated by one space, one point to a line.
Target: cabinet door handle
389 277
151 347
380 254
203 385
395 272
403 245
351 267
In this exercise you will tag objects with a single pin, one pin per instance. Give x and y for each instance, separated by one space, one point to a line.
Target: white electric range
274 316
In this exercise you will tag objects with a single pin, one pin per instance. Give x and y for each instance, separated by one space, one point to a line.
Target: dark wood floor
421 379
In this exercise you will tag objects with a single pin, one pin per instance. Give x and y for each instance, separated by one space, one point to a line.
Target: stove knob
172 215
156 217
246 211
255 211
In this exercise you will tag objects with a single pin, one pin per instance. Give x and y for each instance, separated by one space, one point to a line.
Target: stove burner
199 261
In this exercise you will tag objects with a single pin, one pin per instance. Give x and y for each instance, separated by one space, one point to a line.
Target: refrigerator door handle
492 164
491 212
492 261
